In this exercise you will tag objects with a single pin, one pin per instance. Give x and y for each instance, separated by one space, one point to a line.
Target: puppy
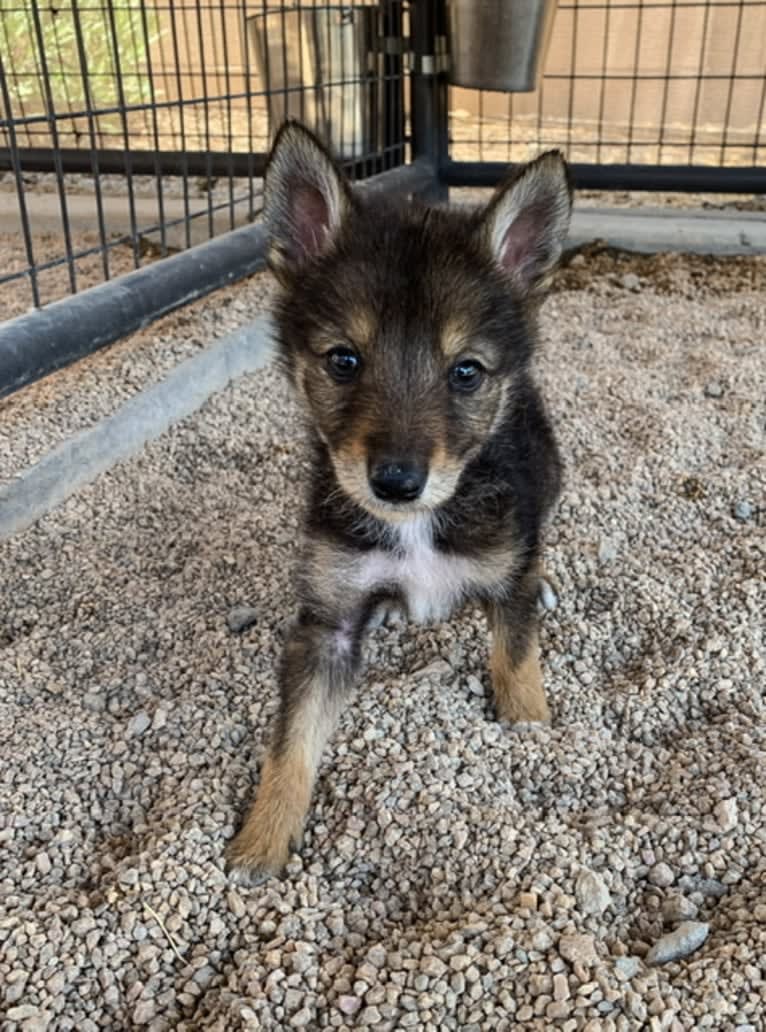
407 332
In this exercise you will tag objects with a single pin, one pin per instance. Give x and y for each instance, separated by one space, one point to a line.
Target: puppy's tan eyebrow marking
360 326
458 341
356 331
455 337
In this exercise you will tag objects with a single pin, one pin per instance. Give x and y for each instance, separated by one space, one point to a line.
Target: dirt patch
678 274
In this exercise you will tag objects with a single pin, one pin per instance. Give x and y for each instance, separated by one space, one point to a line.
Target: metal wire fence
133 128
643 82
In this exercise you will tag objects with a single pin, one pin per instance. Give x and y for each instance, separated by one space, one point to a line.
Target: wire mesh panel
132 128
644 82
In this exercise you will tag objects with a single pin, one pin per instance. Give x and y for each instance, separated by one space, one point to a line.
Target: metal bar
142 163
146 163
92 132
122 107
15 165
206 110
249 103
155 123
39 343
393 82
53 129
428 97
711 179
184 162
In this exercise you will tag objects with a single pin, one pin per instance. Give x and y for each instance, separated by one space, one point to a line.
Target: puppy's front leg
319 667
515 658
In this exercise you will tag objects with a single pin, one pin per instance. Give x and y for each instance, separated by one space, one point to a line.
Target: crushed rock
430 822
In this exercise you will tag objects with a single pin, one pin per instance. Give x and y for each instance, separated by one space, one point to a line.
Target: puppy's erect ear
526 222
305 199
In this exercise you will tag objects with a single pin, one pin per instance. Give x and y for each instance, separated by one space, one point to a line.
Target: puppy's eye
466 376
342 364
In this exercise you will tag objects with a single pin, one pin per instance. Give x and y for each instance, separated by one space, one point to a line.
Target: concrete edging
82 457
651 230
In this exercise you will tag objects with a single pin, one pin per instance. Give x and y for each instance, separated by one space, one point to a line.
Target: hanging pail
323 66
499 44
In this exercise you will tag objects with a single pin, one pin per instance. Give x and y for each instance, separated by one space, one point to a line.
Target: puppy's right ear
306 198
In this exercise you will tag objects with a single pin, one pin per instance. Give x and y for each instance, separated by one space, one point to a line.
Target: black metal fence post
393 79
429 110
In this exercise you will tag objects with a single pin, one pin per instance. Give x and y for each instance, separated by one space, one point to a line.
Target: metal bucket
499 44
323 65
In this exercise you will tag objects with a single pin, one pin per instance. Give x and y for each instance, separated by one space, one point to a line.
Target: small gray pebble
578 949
474 685
687 938
138 724
662 875
42 1022
94 702
630 281
677 908
22 1012
607 550
437 670
743 511
705 886
627 967
714 389
240 618
592 893
144 1012
43 863
349 1004
302 1019
726 815
369 1016
160 718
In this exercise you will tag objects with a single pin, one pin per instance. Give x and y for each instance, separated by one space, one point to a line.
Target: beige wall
613 45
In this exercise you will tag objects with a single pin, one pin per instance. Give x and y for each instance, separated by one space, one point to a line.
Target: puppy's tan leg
515 657
317 674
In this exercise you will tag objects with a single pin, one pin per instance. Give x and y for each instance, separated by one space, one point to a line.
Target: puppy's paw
274 824
529 709
252 856
387 614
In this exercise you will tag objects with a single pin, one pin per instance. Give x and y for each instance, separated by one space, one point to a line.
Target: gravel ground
456 874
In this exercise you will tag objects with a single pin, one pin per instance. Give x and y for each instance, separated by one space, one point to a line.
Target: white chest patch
432 582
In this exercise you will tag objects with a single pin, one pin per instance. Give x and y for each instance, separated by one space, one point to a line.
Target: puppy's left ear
306 198
525 224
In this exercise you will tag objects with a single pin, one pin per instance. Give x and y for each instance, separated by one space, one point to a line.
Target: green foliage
112 31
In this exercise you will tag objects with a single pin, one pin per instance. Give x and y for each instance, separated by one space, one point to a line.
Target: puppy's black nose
397 481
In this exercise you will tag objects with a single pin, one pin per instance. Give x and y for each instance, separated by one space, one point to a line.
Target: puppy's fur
408 333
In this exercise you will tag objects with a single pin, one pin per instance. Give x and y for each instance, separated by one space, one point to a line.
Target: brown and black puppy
408 334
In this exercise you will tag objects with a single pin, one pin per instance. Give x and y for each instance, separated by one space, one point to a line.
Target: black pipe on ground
681 178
